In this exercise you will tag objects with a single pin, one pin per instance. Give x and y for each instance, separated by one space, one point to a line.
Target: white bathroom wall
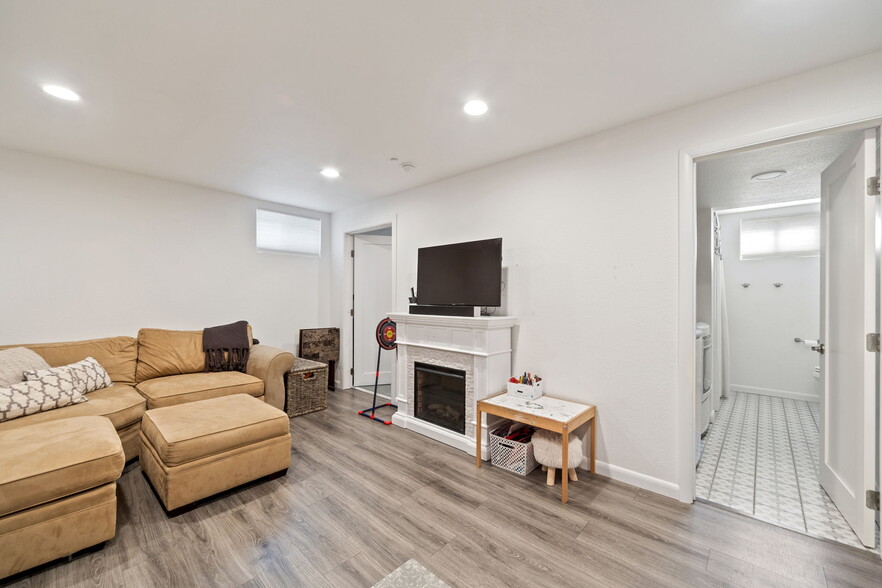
590 246
704 243
764 320
91 252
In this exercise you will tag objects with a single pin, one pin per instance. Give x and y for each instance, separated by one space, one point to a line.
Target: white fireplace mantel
479 346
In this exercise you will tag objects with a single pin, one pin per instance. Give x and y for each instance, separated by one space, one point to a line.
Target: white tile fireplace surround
479 346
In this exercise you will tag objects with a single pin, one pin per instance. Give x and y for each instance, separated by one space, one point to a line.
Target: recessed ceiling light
769 175
61 92
475 107
330 172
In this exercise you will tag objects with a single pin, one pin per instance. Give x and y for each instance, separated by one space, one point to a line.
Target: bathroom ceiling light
475 107
330 172
61 92
769 175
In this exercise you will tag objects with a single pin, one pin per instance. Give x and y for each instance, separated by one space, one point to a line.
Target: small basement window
798 236
288 233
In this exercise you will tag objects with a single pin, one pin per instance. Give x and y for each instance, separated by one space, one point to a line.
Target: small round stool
547 451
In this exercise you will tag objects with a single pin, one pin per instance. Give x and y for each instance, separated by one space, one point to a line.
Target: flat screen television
466 274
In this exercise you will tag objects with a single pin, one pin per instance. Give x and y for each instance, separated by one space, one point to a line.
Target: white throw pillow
90 373
15 361
46 393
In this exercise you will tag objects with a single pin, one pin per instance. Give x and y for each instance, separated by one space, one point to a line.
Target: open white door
848 313
372 288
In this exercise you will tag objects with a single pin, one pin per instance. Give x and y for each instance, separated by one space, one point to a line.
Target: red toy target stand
386 340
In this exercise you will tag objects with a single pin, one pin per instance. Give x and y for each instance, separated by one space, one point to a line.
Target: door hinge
873 186
872 500
352 373
352 313
873 342
352 254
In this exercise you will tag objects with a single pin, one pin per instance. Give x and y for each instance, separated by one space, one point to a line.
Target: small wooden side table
545 412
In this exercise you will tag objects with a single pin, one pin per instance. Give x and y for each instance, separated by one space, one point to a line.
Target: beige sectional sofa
157 369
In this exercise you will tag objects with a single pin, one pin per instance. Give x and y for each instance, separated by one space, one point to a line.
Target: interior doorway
786 263
371 301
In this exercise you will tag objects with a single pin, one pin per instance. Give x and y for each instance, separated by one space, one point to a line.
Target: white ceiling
724 182
254 97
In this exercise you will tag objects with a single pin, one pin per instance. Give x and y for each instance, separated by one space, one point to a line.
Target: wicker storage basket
513 456
307 386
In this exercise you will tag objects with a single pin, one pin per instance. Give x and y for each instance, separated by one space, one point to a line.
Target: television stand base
443 310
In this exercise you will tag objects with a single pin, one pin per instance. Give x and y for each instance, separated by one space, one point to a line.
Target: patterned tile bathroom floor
761 458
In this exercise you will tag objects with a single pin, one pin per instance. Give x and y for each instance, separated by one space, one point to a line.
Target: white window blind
798 235
288 233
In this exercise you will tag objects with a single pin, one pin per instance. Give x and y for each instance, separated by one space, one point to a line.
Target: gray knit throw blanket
226 347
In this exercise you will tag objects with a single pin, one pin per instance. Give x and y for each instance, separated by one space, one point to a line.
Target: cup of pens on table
527 386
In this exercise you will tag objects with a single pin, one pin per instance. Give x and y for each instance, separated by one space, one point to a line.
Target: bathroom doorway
769 406
372 300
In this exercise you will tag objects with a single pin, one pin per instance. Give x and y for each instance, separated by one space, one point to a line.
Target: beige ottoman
195 450
57 489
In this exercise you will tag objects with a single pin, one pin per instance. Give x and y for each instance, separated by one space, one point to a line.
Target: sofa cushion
183 388
47 393
163 352
120 403
180 434
48 461
15 361
90 373
118 355
168 353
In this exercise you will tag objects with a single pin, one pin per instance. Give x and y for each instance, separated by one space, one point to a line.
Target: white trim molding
620 474
776 393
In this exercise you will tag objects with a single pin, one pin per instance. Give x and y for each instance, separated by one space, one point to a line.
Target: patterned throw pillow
89 372
46 393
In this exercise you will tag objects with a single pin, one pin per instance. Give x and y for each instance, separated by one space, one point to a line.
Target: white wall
764 320
91 252
590 241
704 266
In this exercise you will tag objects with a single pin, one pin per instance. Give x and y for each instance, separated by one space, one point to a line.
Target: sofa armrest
270 364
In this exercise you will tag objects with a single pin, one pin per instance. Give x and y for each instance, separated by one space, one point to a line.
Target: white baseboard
774 392
466 444
620 474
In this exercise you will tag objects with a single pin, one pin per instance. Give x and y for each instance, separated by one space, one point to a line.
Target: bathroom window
798 235
288 233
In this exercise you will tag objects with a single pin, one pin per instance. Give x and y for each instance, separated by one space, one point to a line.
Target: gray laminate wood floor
362 498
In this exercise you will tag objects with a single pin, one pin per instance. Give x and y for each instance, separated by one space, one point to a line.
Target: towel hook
777 284
745 284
